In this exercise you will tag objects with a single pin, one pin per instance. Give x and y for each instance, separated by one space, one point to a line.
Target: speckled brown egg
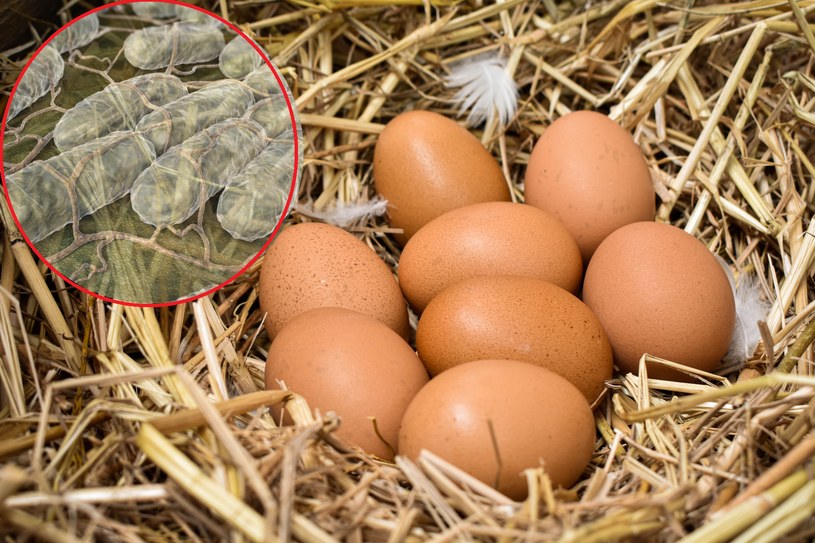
342 361
492 238
515 318
658 290
313 265
589 173
426 164
529 416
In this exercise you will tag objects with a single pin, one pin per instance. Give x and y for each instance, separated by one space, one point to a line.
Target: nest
130 424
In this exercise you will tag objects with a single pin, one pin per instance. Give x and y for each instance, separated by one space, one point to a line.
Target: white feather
345 215
750 310
486 89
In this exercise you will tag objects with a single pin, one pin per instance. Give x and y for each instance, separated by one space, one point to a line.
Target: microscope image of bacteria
119 106
148 157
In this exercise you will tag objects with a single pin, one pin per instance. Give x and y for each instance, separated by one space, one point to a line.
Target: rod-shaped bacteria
156 47
119 106
253 200
263 82
77 34
154 10
239 58
185 14
192 15
180 119
43 74
272 114
89 177
180 181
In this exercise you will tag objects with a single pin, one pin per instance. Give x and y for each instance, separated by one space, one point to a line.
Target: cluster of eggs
509 359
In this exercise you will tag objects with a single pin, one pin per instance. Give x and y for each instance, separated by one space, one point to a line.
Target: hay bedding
109 421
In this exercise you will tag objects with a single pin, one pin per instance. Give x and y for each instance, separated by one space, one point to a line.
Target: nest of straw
129 424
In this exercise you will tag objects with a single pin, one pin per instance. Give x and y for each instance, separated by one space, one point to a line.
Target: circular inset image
150 150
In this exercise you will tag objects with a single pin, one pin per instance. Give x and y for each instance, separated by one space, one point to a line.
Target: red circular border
289 200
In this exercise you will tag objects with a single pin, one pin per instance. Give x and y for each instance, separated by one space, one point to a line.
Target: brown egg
425 165
532 416
658 290
317 265
343 361
515 318
589 173
492 238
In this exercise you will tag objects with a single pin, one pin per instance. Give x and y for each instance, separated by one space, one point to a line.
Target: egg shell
515 318
537 418
491 238
658 290
313 265
588 172
425 165
343 361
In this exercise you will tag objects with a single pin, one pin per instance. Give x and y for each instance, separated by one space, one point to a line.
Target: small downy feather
344 215
750 310
486 89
